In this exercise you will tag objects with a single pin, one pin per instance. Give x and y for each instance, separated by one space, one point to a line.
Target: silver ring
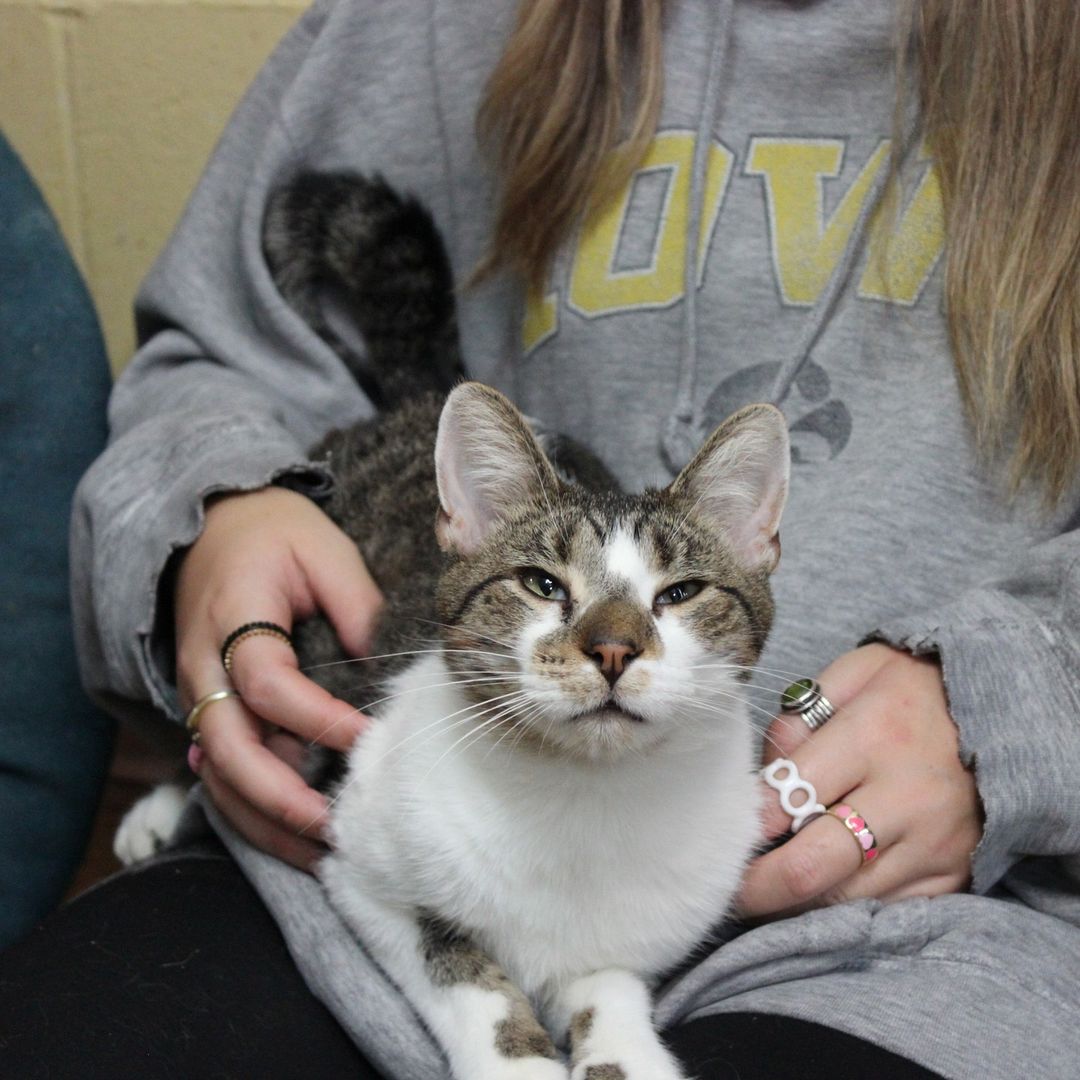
805 698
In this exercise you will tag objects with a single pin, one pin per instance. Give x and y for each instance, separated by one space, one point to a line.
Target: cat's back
384 499
385 495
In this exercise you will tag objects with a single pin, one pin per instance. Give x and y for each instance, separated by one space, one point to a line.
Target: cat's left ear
487 464
738 480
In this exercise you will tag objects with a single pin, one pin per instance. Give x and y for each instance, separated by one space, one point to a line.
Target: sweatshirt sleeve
227 391
1010 655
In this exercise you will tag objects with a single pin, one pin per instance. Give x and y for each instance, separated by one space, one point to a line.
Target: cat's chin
605 734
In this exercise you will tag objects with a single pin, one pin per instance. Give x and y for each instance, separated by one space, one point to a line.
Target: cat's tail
367 269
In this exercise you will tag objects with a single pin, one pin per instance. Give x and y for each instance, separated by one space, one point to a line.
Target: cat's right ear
487 463
738 481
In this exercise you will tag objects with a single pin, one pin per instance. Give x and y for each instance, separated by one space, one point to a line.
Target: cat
556 798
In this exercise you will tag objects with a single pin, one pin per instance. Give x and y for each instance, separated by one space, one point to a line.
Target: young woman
675 208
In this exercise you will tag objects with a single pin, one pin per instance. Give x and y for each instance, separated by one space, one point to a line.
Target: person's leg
758 1046
175 970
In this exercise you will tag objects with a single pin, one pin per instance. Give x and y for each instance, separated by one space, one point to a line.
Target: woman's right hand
268 555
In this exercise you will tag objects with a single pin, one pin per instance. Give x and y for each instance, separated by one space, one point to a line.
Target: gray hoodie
759 192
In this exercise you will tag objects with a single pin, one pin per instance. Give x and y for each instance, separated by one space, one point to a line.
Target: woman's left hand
891 753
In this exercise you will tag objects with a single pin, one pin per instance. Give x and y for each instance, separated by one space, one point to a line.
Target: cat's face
596 625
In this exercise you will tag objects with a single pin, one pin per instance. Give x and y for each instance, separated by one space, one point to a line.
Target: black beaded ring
242 633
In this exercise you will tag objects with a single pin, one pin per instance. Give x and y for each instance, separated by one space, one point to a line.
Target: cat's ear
739 481
487 463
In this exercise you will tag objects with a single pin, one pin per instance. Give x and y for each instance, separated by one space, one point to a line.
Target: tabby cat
556 798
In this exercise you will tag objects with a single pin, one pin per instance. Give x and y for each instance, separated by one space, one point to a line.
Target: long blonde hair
573 105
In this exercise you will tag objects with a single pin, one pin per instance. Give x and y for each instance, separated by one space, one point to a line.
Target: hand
891 752
268 555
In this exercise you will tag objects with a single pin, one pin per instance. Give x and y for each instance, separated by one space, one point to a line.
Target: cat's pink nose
611 657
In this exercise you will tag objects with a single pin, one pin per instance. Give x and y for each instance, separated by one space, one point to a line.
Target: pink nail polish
195 757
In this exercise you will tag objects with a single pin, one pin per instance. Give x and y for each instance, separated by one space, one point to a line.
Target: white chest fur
556 867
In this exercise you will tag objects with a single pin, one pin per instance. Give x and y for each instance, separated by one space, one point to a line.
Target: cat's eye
676 594
544 584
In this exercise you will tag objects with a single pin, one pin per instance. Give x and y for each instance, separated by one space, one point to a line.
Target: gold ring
191 721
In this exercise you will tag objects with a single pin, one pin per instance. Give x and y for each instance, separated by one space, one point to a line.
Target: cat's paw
150 824
532 1068
642 1062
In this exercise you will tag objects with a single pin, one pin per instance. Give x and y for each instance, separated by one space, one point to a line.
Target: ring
191 721
242 633
787 786
805 698
856 825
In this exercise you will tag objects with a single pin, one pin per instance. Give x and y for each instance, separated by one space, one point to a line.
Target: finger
900 876
258 830
841 682
938 885
264 671
231 739
827 763
288 748
816 863
347 594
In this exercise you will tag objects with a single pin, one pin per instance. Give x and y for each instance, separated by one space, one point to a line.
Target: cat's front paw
150 824
532 1068
644 1062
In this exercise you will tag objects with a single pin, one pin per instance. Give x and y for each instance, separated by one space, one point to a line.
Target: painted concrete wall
114 107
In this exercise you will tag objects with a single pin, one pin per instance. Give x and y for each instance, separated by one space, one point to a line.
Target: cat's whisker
476 676
724 712
427 728
733 695
466 715
465 630
404 652
487 679
725 695
505 710
520 724
754 669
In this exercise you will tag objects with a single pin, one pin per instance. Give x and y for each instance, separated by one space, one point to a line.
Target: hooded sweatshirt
747 260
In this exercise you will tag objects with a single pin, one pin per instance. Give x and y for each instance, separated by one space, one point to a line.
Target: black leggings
179 971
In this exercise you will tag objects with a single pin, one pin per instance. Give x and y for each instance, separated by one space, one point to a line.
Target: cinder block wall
114 107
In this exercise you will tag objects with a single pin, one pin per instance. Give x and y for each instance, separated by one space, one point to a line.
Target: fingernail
195 756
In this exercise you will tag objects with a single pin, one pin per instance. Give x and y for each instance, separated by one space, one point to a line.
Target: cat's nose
611 657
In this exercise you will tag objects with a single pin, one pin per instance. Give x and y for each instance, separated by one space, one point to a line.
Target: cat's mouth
612 710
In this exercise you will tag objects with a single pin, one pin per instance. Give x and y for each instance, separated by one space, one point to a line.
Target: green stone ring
805 698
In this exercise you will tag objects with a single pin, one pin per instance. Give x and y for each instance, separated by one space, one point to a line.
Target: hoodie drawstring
678 440
682 432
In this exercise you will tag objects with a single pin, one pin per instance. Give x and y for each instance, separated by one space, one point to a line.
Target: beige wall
114 107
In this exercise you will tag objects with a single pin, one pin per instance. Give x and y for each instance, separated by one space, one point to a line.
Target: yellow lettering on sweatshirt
805 246
596 286
903 248
541 319
901 260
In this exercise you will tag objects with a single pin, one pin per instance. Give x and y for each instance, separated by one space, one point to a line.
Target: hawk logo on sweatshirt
805 243
820 425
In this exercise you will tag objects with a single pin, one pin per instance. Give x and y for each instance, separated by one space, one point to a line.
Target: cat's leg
608 1020
150 825
483 1022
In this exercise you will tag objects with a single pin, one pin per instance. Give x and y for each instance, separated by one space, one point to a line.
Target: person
672 209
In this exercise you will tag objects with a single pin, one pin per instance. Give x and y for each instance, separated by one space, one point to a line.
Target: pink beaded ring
856 825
